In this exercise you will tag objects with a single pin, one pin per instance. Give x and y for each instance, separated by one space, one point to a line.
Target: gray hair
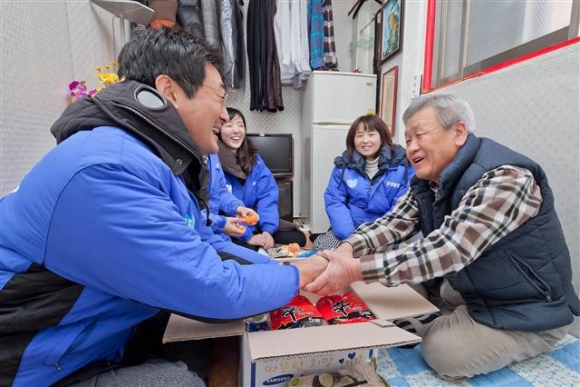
450 110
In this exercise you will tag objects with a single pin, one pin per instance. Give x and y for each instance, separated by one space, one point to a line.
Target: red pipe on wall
429 40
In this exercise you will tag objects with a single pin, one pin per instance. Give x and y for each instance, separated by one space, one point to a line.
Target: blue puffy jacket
103 233
220 197
351 198
260 193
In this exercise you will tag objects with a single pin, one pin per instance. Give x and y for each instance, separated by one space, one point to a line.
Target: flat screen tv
277 151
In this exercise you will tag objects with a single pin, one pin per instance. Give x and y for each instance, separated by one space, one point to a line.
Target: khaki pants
457 347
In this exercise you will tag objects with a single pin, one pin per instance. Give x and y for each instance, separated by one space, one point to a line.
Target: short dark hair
370 122
175 52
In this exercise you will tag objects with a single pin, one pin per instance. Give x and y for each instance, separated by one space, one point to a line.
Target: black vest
523 281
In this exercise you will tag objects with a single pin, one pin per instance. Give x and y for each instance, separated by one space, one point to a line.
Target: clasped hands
329 271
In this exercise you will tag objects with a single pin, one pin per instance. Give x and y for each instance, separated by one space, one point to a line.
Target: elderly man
492 248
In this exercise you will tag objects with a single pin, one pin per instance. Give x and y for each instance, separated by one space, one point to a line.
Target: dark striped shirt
501 201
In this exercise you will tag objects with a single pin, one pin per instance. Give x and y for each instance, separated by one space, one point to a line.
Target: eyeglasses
220 93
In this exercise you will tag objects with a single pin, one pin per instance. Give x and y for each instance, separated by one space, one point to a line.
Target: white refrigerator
332 101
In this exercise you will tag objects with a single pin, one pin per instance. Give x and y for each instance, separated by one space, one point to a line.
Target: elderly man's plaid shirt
502 200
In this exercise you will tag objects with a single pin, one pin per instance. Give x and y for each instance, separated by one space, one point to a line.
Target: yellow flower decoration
107 76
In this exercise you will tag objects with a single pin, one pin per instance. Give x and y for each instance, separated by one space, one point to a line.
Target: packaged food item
298 313
257 323
343 309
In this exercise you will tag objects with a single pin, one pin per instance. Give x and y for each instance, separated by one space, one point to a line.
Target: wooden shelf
126 9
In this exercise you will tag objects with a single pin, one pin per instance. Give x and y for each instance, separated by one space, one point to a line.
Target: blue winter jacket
103 233
221 199
260 193
352 198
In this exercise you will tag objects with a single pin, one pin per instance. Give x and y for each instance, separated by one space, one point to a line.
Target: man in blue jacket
492 250
105 231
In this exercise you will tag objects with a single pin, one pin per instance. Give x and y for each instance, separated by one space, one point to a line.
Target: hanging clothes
189 15
231 32
263 65
316 28
321 26
282 31
220 22
329 55
210 12
291 33
303 53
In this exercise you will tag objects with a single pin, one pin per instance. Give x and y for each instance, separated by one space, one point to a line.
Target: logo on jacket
229 188
190 220
352 183
393 184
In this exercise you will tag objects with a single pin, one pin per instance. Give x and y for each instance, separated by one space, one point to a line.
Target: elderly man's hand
342 270
310 268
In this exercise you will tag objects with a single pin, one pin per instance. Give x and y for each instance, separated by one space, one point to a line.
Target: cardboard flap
180 328
327 338
382 323
391 303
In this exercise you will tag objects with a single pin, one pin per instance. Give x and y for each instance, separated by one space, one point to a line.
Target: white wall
43 47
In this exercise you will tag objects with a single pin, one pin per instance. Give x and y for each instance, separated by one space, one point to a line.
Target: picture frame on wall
390 27
389 97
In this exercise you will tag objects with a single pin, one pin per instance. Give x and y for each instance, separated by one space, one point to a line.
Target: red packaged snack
298 313
343 309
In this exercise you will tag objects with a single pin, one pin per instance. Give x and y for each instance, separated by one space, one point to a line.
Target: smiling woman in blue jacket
366 181
250 180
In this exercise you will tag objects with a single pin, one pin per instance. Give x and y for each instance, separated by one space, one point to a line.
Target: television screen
276 150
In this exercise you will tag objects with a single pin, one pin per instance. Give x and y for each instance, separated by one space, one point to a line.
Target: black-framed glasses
221 93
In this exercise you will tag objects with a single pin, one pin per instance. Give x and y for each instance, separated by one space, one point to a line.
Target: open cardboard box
271 358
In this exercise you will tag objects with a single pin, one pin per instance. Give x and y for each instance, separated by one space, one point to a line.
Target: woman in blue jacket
225 211
366 181
250 180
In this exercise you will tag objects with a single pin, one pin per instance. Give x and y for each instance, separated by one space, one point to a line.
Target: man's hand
310 268
233 227
342 270
345 249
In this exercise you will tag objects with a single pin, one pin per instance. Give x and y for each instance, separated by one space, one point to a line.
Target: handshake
329 271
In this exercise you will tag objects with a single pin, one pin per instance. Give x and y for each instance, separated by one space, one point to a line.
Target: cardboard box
271 358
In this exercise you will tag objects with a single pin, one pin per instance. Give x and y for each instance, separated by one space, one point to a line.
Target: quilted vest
523 281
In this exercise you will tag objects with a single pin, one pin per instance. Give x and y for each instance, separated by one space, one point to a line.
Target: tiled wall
44 46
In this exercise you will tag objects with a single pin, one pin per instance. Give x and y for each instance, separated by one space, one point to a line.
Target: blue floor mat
560 367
